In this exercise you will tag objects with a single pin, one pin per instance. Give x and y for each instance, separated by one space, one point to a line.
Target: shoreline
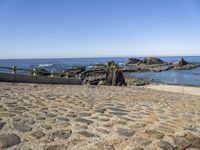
185 89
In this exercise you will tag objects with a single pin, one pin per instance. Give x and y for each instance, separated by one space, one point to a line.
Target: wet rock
22 127
8 140
133 61
87 134
82 120
41 72
114 75
182 62
38 134
125 132
166 146
2 124
62 134
151 61
73 72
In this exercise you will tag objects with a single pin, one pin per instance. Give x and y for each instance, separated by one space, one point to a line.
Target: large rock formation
41 72
114 75
133 61
151 61
73 72
182 62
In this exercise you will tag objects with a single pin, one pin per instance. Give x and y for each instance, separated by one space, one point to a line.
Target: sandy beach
52 117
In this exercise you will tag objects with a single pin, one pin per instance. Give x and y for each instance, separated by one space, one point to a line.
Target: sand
38 116
177 89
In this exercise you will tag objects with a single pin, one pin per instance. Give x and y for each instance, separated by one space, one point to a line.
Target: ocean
182 77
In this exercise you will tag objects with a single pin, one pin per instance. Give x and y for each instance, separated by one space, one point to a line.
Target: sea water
182 77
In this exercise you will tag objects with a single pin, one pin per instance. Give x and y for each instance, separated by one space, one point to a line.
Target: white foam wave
44 65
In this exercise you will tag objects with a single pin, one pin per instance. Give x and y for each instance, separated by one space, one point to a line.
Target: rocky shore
53 117
113 74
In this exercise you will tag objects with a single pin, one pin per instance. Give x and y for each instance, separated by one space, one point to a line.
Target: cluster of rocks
112 74
156 65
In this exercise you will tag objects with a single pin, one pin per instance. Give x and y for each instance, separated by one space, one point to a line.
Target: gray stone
63 119
82 120
84 114
2 124
165 145
22 127
38 134
87 134
125 132
8 140
145 142
62 134
118 113
100 110
51 115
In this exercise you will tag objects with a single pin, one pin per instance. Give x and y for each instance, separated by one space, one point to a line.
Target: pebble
125 132
22 127
165 145
2 124
82 120
62 134
87 134
38 134
8 140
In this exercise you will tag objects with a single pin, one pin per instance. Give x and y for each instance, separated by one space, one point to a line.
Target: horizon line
98 57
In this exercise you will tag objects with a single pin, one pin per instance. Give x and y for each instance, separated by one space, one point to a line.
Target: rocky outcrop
182 62
114 75
41 72
133 61
73 72
151 61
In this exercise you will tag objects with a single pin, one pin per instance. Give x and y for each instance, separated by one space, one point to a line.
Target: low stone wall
6 77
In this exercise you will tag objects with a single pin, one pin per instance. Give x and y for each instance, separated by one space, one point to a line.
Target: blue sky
95 28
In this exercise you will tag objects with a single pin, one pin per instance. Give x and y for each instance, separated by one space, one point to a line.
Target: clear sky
95 28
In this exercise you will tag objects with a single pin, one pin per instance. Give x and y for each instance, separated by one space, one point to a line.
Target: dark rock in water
114 75
2 124
22 127
41 72
182 62
62 134
8 140
152 61
73 72
125 132
99 66
133 61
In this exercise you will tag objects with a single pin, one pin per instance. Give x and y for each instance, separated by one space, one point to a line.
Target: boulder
151 61
41 72
182 62
73 72
114 75
133 61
